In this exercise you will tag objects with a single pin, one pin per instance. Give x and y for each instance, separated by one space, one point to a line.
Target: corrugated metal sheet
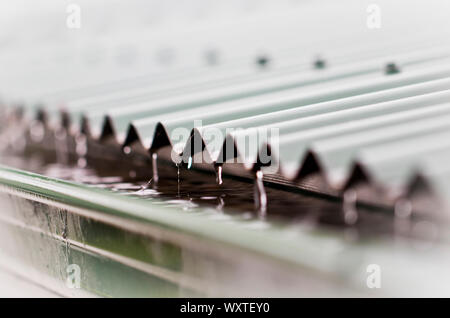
365 116
340 108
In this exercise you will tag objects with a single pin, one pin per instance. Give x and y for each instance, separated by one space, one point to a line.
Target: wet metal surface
306 221
189 189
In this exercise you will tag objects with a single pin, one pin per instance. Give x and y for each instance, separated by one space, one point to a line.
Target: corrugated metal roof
366 115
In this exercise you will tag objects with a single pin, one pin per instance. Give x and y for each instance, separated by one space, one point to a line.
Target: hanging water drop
403 208
403 213
126 150
349 207
81 150
178 179
218 169
81 163
155 167
260 195
221 203
37 132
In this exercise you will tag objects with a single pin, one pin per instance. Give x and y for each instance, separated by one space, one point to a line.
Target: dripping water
81 150
403 214
349 207
178 179
220 204
403 208
155 167
260 195
37 131
231 198
189 165
126 150
218 170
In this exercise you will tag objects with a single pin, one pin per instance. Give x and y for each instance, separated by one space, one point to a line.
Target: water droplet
403 208
144 191
260 195
178 180
81 150
82 163
155 167
221 204
126 150
218 169
37 131
349 207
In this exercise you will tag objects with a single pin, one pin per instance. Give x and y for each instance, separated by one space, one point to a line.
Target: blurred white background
120 39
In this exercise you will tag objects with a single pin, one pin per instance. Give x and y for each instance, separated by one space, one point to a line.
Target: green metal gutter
134 247
176 246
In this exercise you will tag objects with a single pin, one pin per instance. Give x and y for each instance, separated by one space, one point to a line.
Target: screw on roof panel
262 61
391 68
319 63
212 57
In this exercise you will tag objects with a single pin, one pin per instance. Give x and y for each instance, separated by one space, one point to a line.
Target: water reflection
188 189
